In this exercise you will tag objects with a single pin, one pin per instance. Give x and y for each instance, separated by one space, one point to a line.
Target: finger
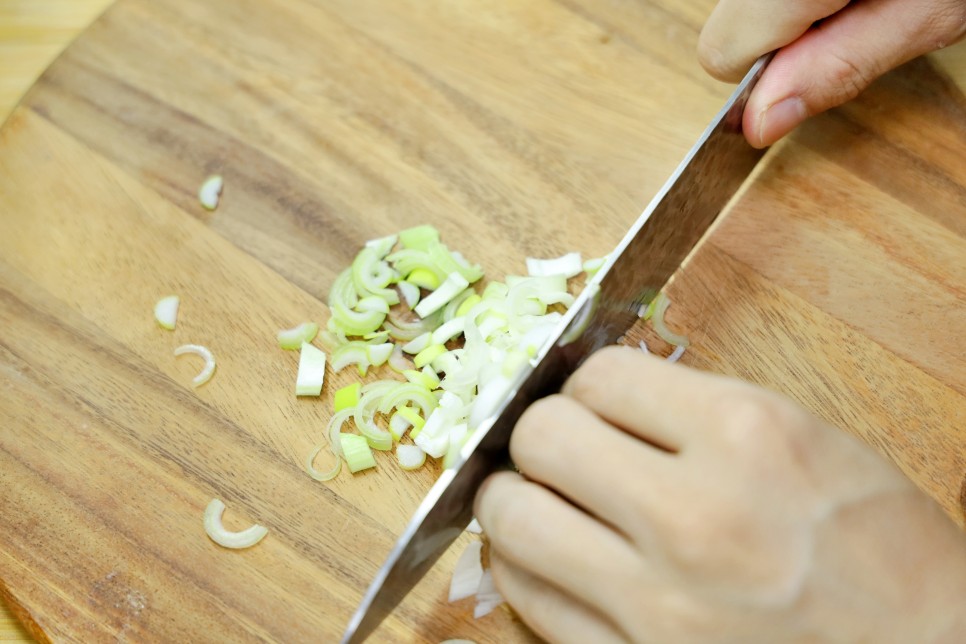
832 63
739 31
665 404
546 536
553 615
607 472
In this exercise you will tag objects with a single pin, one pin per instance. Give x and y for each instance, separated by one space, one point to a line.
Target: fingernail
779 119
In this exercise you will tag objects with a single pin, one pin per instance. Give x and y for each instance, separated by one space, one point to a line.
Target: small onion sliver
410 457
166 311
487 596
210 191
225 538
468 573
199 350
322 476
661 304
677 353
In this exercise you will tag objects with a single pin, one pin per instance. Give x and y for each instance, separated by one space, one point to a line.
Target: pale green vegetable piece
355 449
293 338
410 457
436 300
210 191
216 531
166 311
311 372
346 397
418 237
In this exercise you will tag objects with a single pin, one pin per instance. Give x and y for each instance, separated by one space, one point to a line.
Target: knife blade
643 262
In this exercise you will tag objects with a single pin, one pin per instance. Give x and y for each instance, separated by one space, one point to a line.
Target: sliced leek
236 540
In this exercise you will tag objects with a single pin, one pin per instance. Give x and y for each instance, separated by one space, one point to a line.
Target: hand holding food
658 503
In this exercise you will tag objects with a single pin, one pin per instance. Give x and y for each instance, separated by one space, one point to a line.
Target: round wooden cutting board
518 128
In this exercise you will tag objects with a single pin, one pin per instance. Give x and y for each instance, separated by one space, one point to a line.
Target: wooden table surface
32 34
839 278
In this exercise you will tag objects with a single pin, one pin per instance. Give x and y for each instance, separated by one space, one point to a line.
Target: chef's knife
654 248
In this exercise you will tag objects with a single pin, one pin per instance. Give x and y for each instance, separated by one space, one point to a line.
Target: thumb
837 59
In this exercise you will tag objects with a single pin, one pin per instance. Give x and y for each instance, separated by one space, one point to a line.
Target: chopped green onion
412 416
467 573
410 457
661 304
418 237
418 343
225 538
453 286
567 266
210 191
355 450
398 426
428 354
421 378
346 397
424 278
468 304
317 475
591 266
377 337
378 354
410 293
166 311
458 435
450 262
382 245
405 392
311 372
209 368
292 339
448 331
397 361
371 276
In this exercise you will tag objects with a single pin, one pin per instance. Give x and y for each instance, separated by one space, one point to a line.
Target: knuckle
847 78
594 376
536 426
713 59
515 524
947 24
751 419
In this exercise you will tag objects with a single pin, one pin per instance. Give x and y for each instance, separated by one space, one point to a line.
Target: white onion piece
322 476
166 311
474 527
453 286
410 293
311 372
398 361
467 574
217 532
567 265
591 266
418 343
491 395
198 350
210 191
677 353
487 596
410 457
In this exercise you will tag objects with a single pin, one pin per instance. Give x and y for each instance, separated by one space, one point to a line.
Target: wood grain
518 128
32 33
